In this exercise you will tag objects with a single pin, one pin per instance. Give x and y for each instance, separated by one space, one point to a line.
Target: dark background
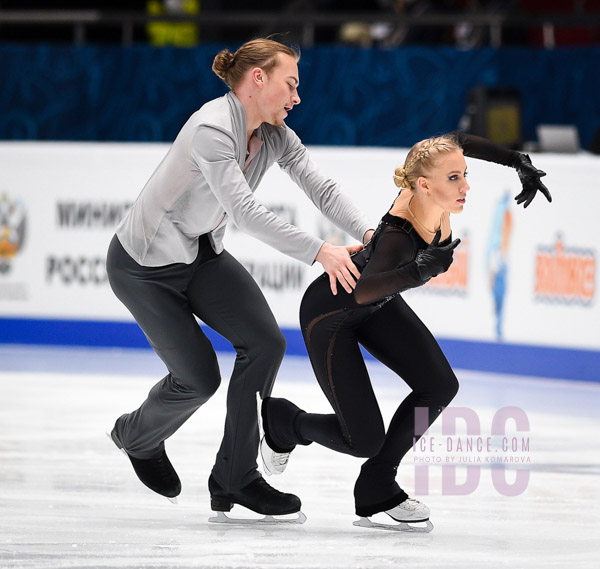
358 86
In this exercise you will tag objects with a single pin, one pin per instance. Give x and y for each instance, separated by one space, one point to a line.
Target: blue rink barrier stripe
539 361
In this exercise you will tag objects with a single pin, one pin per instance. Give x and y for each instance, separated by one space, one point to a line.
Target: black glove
530 179
435 260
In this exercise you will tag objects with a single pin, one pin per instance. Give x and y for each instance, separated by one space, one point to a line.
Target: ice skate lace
163 467
280 459
410 504
268 489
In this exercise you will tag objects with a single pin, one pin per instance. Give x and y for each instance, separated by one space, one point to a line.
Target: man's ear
258 76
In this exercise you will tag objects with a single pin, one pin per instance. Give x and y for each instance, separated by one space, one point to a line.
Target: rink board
521 293
536 361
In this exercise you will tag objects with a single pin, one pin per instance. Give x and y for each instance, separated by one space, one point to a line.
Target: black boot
376 489
257 496
279 417
156 472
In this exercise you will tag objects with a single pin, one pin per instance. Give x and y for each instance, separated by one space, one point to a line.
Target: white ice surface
68 498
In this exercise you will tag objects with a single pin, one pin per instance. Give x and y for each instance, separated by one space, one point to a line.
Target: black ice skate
157 472
407 513
257 496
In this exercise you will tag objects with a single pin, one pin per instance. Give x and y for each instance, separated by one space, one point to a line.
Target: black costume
334 326
375 316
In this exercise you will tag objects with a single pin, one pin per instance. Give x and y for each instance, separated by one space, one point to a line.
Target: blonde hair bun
400 178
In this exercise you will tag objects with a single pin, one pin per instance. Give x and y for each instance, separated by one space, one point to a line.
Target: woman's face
280 90
446 184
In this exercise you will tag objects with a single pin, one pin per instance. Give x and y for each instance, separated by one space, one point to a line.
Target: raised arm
483 149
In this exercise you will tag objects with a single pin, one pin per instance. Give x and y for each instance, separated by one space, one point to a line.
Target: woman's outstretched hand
530 180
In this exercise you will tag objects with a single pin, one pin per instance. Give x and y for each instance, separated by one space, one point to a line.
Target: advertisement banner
522 276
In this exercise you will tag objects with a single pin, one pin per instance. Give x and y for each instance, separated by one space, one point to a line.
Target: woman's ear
422 184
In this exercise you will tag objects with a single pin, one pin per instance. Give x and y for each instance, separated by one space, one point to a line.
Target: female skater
168 266
411 245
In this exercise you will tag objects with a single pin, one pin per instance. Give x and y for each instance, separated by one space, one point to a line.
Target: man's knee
268 344
278 344
199 381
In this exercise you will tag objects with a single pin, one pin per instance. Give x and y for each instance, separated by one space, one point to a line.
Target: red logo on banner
12 230
565 275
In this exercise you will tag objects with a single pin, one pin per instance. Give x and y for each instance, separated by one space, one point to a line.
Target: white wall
68 197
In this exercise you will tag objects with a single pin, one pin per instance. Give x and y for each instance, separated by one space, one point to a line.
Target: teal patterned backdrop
350 96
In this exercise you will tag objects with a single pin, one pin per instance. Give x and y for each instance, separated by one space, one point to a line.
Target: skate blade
261 437
113 442
400 526
222 518
261 433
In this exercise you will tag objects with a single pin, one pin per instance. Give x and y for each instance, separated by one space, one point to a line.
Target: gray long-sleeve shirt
204 181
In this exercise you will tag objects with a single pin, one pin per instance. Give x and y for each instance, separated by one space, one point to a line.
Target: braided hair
421 159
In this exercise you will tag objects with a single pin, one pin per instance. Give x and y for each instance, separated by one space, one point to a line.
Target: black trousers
333 327
164 302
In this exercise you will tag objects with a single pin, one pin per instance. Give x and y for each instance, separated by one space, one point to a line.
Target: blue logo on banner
497 258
